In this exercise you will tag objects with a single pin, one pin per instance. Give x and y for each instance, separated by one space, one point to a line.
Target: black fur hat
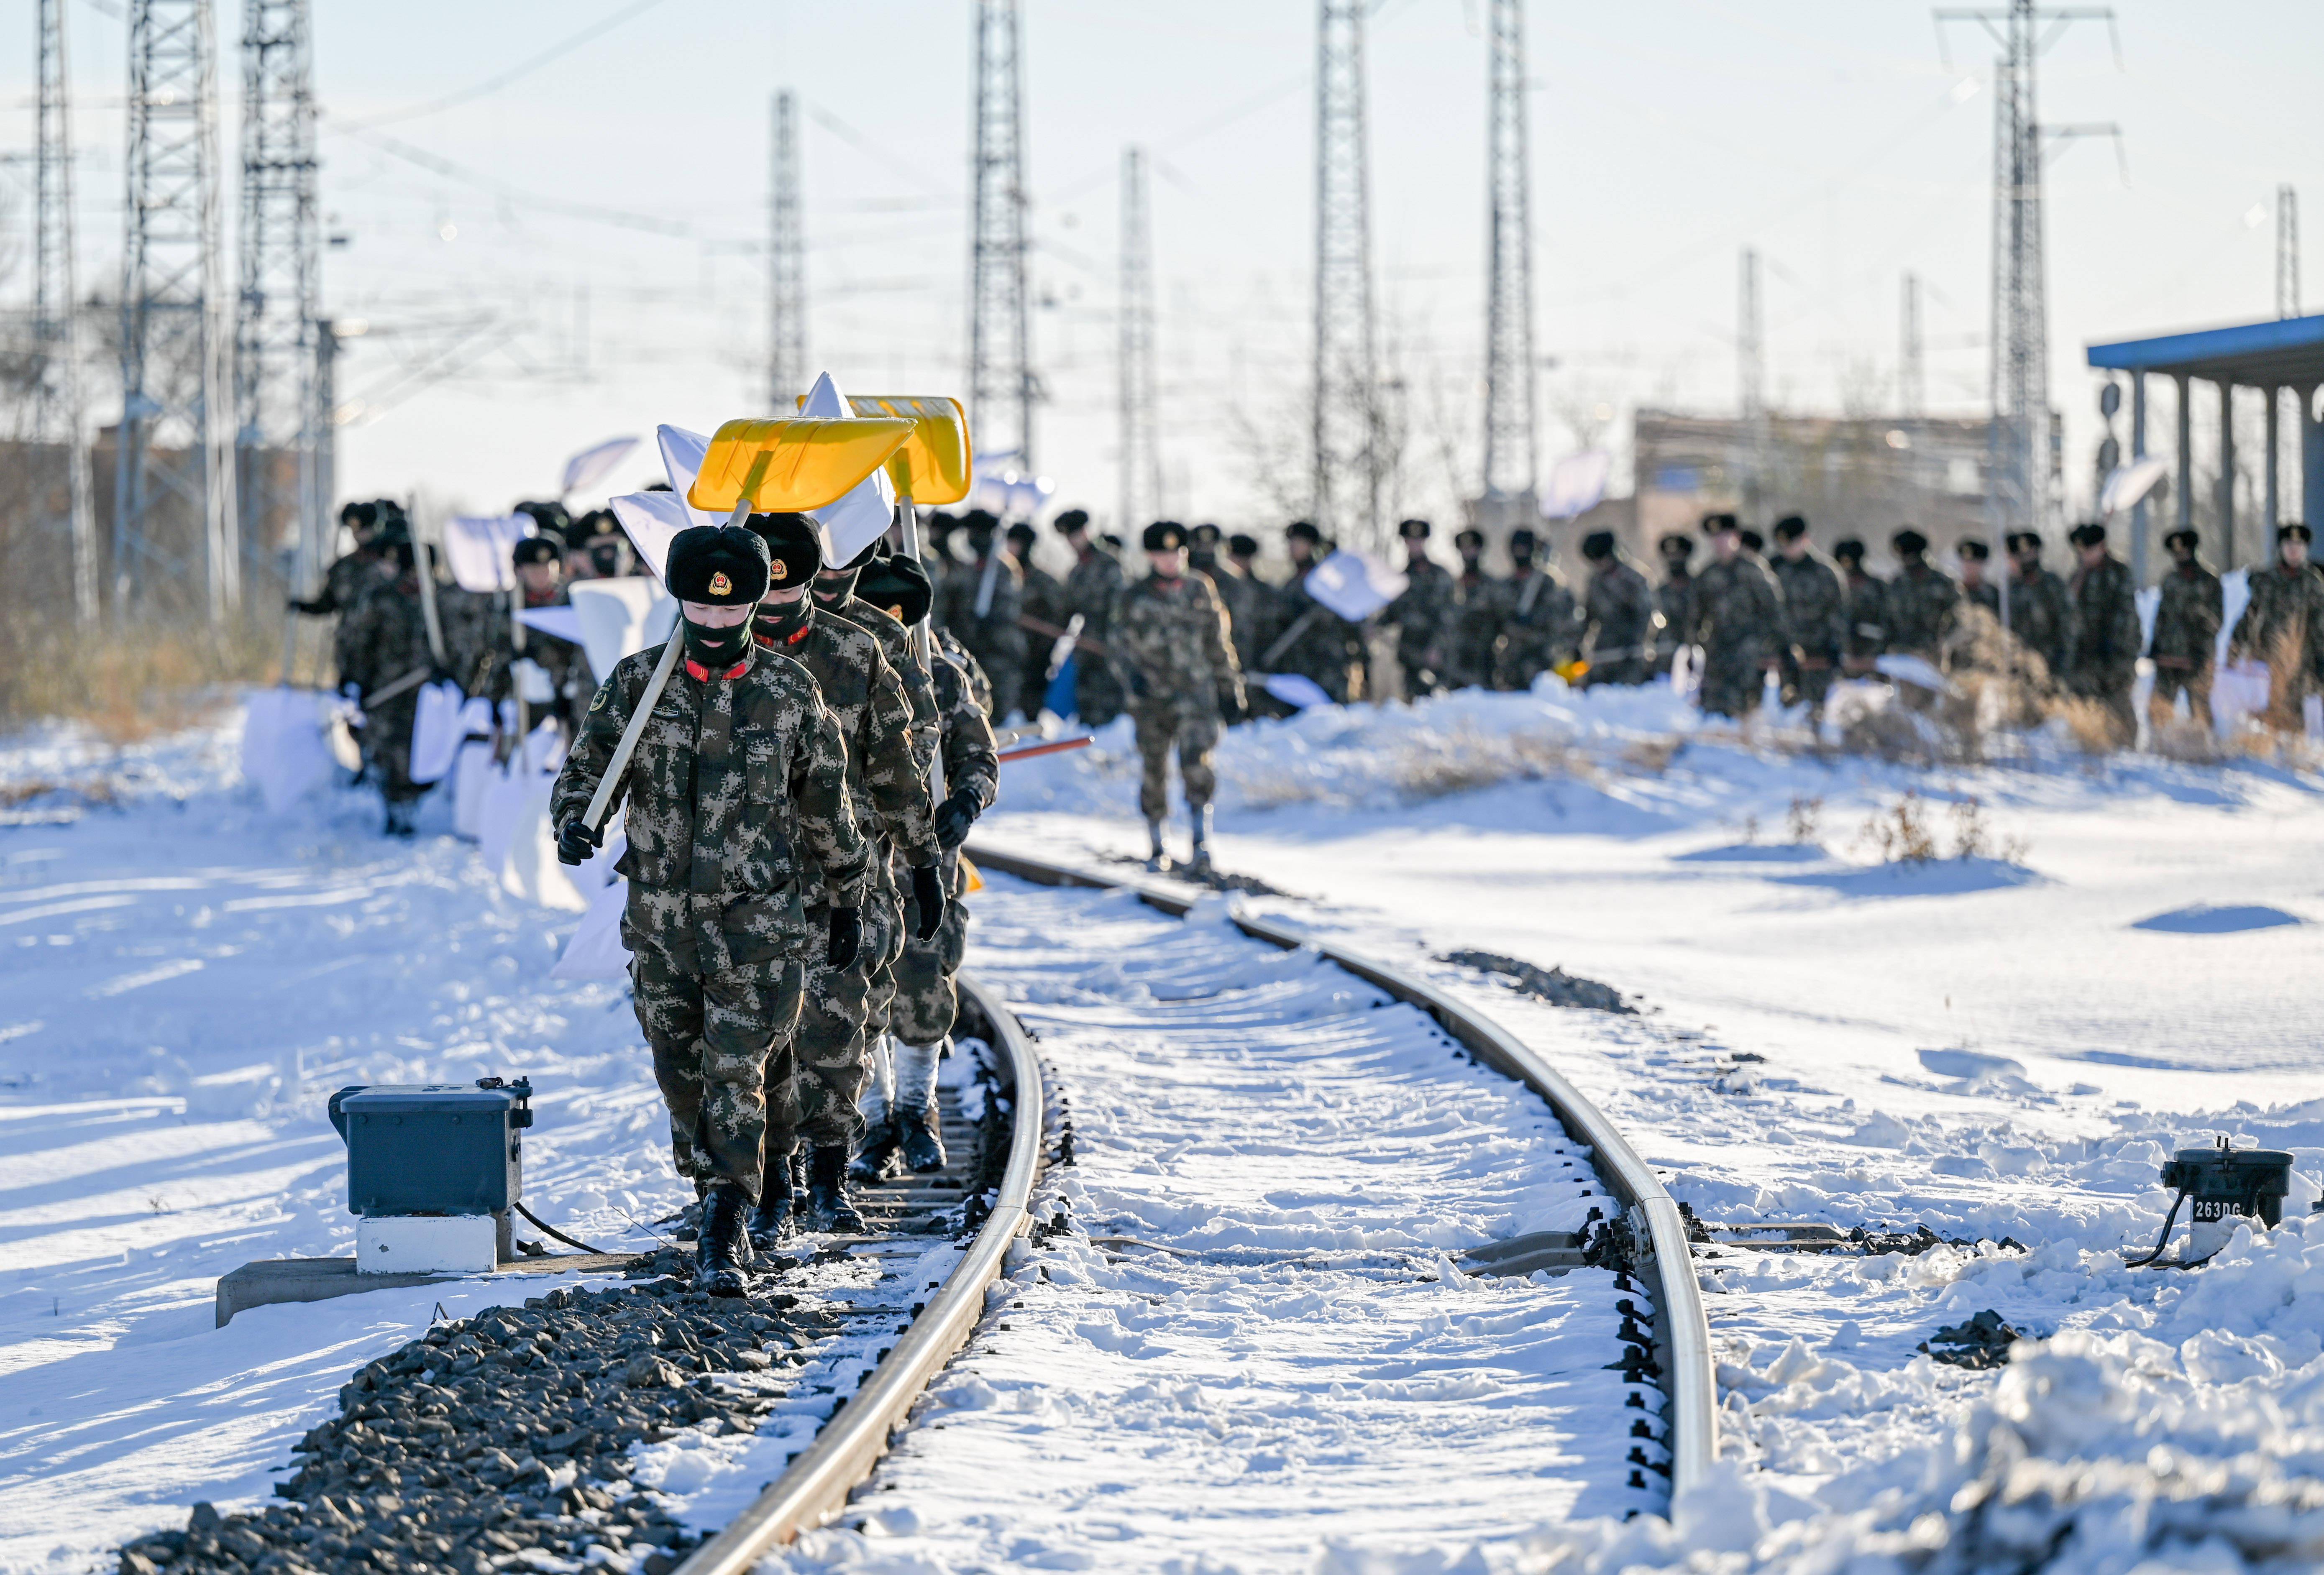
724 565
794 547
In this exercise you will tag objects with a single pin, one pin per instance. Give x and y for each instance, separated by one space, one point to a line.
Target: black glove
1136 684
955 815
575 841
927 892
846 937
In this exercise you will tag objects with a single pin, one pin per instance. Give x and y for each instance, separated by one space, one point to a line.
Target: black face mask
715 647
835 587
607 560
1523 560
779 620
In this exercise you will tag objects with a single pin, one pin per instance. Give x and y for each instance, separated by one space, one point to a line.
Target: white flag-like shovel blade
1353 585
590 466
651 520
681 461
480 549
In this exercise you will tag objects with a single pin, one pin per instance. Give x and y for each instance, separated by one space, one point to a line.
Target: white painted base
413 1244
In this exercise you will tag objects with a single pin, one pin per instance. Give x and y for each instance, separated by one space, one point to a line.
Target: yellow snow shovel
792 466
933 467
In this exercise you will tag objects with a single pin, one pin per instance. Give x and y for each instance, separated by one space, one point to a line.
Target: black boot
827 1208
870 1167
399 815
923 1150
799 1181
720 1253
770 1221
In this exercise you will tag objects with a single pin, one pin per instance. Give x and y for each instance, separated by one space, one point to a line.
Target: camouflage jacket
1863 619
737 805
886 787
2286 607
980 688
1243 597
1915 607
2042 617
1618 614
2186 618
896 645
1738 612
1815 606
1169 640
350 578
995 635
567 664
1089 589
1476 626
1422 610
2106 620
1674 600
476 630
1303 636
1985 594
1539 624
386 637
970 759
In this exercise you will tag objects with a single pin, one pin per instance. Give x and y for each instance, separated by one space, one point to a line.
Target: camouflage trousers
2170 683
842 1009
387 746
1191 725
717 1040
926 1001
1732 684
2108 688
1808 678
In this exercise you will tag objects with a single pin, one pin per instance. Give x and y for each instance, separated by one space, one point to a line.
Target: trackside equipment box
434 1148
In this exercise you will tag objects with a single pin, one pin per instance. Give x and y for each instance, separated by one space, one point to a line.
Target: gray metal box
433 1148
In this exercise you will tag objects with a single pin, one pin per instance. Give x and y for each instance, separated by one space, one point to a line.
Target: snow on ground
2005 1045
1251 1348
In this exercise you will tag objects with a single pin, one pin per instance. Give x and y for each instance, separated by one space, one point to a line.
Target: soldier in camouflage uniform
982 602
564 668
1304 636
1244 595
1738 622
1042 612
903 1095
1088 592
1976 589
1422 613
385 656
1919 601
2282 625
2102 664
1863 610
1169 635
352 575
889 797
1539 624
1673 599
2041 612
737 805
2187 620
1814 616
1474 625
1617 610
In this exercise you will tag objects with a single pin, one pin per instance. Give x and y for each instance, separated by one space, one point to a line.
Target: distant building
1865 476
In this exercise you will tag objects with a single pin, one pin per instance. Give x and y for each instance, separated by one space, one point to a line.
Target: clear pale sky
525 304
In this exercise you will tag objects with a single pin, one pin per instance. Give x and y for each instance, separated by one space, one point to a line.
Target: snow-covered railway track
1661 1255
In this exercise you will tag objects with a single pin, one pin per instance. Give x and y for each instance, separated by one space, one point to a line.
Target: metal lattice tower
1346 417
58 415
1141 451
786 376
2023 462
276 403
2287 251
175 343
1751 380
1912 369
1001 385
1512 461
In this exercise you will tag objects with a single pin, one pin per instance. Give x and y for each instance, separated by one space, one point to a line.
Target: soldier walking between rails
1169 635
737 804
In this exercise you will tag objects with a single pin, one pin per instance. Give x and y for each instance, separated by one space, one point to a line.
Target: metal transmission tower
2023 466
1751 377
1911 372
174 338
2287 251
58 415
1346 417
786 376
276 399
1511 464
1000 321
1141 452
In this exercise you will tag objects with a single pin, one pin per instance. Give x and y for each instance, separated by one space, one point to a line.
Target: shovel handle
601 800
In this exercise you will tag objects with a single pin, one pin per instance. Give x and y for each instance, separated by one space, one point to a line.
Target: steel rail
815 1484
1682 1328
